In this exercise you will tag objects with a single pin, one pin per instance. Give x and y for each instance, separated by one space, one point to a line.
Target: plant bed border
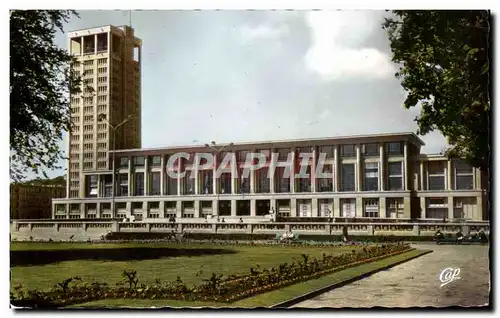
314 293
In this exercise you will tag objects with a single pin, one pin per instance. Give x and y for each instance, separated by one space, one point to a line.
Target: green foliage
443 64
131 278
40 83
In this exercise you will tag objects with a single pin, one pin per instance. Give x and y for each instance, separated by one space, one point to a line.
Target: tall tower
108 59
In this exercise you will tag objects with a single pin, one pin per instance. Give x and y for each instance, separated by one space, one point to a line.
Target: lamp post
217 150
114 128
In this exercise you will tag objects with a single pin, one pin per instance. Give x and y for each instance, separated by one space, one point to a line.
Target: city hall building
373 176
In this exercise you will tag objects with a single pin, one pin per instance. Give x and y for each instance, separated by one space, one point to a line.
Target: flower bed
216 288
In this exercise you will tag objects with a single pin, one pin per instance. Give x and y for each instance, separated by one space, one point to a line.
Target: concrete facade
380 176
108 60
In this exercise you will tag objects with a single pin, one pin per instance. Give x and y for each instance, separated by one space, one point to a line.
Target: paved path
416 283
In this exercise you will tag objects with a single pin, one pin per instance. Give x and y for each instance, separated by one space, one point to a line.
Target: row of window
345 151
370 181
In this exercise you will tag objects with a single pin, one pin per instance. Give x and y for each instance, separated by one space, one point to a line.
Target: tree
40 83
443 65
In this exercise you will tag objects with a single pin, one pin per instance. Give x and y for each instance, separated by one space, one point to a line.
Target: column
178 209
215 207
422 173
273 205
129 209
336 207
110 34
53 211
407 207
161 207
234 174
252 181
382 167
162 173
215 181
82 210
233 208
292 174
179 179
253 207
359 207
449 180
95 44
314 208
482 212
450 208
129 180
359 169
475 172
197 182
423 208
145 209
406 178
293 208
382 207
98 210
99 194
272 167
313 169
146 176
197 213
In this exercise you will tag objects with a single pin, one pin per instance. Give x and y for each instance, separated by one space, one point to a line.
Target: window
370 208
395 175
92 186
371 176
139 184
138 161
262 181
329 151
123 181
464 177
124 162
189 182
348 208
155 161
347 151
171 185
325 184
395 148
242 156
372 149
437 208
155 183
225 183
347 177
108 186
304 184
395 208
436 177
282 183
206 182
283 154
244 183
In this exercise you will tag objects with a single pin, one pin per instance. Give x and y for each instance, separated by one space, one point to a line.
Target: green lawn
263 300
79 259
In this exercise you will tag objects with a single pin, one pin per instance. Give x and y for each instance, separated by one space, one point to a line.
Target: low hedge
215 288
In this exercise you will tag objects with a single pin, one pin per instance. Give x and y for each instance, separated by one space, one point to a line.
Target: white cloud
262 32
337 50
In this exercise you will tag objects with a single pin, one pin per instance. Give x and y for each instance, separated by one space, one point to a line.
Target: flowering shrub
216 288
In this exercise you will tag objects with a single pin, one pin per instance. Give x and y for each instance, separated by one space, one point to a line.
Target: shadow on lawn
26 258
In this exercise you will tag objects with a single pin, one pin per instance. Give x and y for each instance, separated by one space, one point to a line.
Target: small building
34 200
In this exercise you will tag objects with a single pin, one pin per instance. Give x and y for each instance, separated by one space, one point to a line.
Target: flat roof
410 135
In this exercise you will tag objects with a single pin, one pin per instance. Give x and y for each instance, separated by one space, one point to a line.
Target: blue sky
235 76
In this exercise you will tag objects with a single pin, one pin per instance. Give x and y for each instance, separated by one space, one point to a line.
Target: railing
309 228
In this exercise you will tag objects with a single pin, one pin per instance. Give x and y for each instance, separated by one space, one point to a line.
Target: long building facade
373 176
